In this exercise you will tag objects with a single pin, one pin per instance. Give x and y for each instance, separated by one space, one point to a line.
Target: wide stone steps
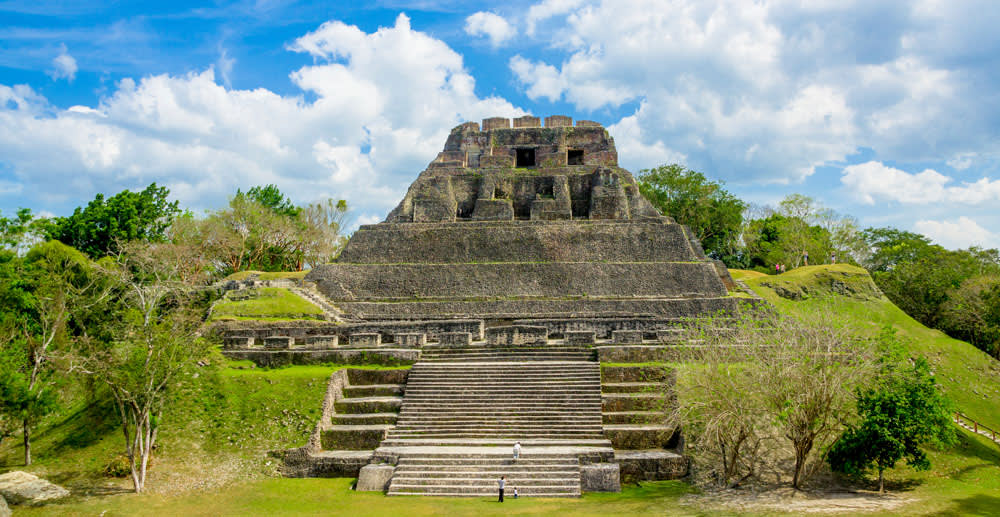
476 475
363 418
494 402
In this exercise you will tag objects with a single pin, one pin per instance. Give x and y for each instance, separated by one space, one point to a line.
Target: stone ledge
600 477
651 465
300 463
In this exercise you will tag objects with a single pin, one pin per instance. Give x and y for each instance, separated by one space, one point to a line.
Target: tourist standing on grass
501 484
517 450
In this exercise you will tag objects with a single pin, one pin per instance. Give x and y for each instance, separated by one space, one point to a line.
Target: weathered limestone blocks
367 405
543 309
435 202
362 376
493 210
237 341
278 358
411 339
608 199
278 342
455 339
627 336
600 477
317 342
492 123
522 241
526 121
558 121
637 437
651 465
580 337
517 335
353 437
643 373
366 339
587 123
382 282
375 477
302 463
653 401
670 335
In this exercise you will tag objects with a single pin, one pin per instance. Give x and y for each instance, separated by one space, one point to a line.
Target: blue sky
888 111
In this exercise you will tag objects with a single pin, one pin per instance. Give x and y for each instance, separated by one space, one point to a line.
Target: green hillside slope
970 377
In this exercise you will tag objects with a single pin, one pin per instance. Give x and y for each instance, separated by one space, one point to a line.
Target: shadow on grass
986 505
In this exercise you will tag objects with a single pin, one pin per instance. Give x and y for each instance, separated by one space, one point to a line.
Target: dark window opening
546 187
525 158
574 157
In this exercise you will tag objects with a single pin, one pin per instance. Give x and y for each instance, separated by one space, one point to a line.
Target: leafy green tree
22 231
899 415
153 341
921 287
43 293
972 313
269 196
713 214
100 227
889 247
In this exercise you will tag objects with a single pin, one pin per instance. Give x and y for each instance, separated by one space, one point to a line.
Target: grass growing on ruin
268 275
969 376
266 303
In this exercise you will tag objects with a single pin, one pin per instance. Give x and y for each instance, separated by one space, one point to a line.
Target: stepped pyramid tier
523 222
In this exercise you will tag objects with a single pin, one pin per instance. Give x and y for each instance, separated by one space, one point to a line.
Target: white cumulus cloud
491 25
958 233
768 91
359 136
63 66
871 181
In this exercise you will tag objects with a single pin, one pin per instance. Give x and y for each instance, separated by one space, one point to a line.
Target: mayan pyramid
524 223
534 295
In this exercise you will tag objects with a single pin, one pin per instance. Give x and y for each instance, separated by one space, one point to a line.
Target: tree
42 293
319 232
889 247
713 214
98 229
22 231
972 313
902 412
270 197
154 340
786 380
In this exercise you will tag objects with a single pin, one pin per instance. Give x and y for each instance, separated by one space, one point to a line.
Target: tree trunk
27 443
881 482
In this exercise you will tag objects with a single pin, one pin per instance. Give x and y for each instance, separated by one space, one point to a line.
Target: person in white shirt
501 483
517 450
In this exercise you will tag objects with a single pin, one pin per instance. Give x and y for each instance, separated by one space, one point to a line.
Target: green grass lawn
267 303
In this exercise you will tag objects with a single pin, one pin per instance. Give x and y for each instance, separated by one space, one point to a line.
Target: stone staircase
475 474
464 407
309 293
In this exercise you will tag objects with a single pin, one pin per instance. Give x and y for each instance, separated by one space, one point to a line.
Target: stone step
368 405
363 418
373 390
633 387
504 469
513 475
633 417
501 442
483 491
562 420
521 482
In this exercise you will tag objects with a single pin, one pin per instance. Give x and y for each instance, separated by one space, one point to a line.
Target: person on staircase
501 483
517 450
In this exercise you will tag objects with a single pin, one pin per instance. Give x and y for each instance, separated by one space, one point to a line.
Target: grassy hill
970 377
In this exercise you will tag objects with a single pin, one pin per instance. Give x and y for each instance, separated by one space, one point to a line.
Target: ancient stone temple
517 263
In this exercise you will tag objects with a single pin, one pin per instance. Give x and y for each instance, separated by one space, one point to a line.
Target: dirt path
799 502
